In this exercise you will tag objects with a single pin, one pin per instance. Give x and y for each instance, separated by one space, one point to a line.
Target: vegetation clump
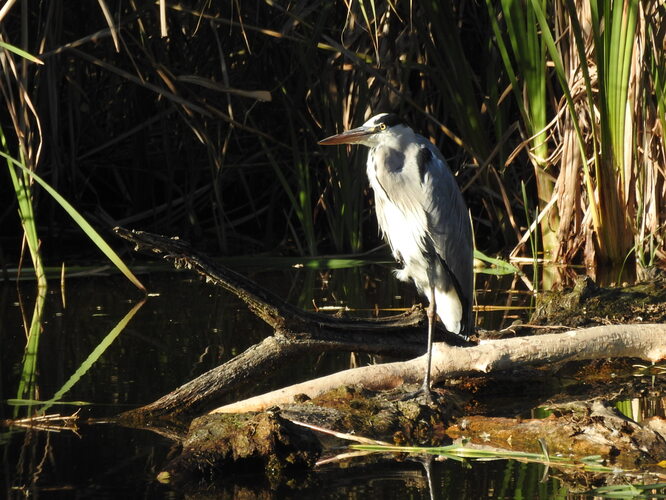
224 445
586 304
203 120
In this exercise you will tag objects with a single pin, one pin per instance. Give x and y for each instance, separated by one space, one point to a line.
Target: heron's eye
382 126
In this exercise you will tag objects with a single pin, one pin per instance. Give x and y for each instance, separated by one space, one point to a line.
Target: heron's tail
450 311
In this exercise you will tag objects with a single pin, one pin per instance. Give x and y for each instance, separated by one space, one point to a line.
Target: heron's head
381 128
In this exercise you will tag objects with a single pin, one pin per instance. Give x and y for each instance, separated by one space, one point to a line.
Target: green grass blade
23 192
485 454
94 236
35 402
20 52
499 267
506 60
626 491
27 383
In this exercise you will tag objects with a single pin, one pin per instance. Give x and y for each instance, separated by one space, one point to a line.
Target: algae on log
383 415
268 443
587 304
220 446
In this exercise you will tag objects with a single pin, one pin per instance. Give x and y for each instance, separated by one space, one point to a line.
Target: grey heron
423 217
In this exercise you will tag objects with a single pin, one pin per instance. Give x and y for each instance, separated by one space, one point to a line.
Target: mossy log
265 443
224 446
269 444
579 429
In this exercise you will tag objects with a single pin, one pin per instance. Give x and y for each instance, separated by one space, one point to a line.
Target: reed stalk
524 58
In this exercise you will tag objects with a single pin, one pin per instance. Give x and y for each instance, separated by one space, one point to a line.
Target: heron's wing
448 228
420 185
422 213
448 220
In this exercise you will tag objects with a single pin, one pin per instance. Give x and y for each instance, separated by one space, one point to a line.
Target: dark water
188 328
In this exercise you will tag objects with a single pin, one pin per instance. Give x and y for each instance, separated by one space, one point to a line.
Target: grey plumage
422 215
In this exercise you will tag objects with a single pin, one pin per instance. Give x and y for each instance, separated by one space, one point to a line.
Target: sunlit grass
524 58
633 491
33 323
462 452
27 387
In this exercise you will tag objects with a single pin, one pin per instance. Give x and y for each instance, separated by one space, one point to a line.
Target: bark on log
645 341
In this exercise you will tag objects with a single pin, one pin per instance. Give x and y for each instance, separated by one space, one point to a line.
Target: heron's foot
424 394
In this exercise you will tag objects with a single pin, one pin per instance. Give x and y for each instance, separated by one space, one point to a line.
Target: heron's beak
349 137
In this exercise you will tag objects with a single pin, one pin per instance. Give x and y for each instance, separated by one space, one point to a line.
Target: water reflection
187 328
27 389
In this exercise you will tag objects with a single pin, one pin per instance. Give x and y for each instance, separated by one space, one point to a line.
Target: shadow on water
106 352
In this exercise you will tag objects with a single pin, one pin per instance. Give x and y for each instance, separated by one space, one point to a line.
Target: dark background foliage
146 137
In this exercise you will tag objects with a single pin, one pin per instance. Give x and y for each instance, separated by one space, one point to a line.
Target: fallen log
297 332
643 341
579 429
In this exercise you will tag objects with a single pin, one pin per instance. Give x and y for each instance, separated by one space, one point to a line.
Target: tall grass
26 145
613 50
525 62
210 131
22 114
600 64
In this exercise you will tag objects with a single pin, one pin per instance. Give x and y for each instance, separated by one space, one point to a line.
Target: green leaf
20 52
500 267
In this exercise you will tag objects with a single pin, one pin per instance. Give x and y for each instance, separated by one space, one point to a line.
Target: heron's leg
432 315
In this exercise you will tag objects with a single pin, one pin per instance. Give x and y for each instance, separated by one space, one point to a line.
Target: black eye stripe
390 120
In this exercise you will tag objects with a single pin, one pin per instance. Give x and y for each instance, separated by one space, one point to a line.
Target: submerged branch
261 302
275 311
